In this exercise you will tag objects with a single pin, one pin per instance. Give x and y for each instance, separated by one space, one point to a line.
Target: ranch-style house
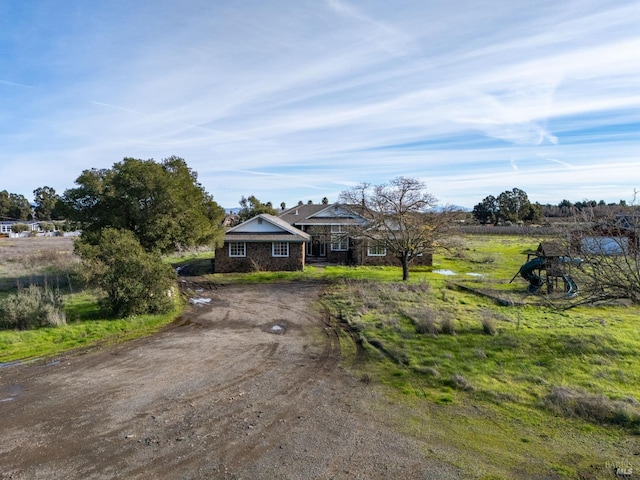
308 233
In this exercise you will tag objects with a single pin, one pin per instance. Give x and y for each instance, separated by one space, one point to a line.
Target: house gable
257 225
336 211
264 225
335 214
264 242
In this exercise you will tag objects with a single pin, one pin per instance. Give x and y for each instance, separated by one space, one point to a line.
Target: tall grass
504 355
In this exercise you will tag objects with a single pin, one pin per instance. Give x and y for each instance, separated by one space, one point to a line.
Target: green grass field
84 328
517 392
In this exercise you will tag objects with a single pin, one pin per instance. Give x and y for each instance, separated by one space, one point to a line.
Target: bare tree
610 249
402 217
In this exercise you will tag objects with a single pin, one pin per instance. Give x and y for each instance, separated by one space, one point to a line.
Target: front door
317 247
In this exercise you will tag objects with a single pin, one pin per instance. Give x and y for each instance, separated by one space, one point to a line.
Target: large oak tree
162 203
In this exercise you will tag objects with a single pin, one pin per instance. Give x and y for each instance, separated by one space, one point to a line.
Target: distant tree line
514 207
251 206
566 209
14 207
46 205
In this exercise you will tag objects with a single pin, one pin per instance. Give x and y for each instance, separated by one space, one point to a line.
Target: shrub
33 307
430 371
256 266
135 281
424 321
447 325
484 259
19 227
594 408
456 248
398 355
460 383
488 324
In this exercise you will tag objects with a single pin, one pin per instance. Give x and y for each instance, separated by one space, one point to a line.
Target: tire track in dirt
289 396
217 395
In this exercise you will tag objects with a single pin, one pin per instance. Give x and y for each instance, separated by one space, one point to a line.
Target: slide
526 270
571 287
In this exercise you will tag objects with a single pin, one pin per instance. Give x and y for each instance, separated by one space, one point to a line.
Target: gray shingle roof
286 233
293 215
306 215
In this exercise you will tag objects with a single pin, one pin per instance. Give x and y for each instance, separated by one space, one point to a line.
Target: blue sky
301 99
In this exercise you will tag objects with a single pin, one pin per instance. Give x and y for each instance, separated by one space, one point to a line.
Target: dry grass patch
36 260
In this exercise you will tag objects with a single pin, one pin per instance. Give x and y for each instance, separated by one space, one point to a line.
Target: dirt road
248 386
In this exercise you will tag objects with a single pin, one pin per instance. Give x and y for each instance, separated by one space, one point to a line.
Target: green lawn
85 327
515 391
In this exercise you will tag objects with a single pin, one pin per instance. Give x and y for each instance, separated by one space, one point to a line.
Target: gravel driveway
247 386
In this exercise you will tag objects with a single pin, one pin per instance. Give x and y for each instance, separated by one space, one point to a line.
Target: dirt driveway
248 386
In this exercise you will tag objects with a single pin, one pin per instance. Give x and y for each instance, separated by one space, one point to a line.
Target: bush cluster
135 281
32 307
428 321
488 323
572 402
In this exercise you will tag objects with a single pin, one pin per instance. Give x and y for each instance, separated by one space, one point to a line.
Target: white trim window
237 249
339 239
376 250
280 249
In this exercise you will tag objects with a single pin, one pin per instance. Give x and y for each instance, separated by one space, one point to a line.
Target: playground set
552 259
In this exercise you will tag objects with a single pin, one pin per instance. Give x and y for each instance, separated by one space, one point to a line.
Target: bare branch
401 216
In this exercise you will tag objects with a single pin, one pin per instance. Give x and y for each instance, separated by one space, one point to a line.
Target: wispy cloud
382 34
116 107
14 84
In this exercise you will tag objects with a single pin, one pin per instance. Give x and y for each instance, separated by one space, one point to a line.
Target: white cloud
385 36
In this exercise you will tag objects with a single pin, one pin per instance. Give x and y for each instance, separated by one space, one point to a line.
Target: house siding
259 258
360 257
357 251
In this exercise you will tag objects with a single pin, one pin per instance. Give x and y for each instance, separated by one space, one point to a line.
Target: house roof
294 214
327 221
26 222
334 214
265 228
